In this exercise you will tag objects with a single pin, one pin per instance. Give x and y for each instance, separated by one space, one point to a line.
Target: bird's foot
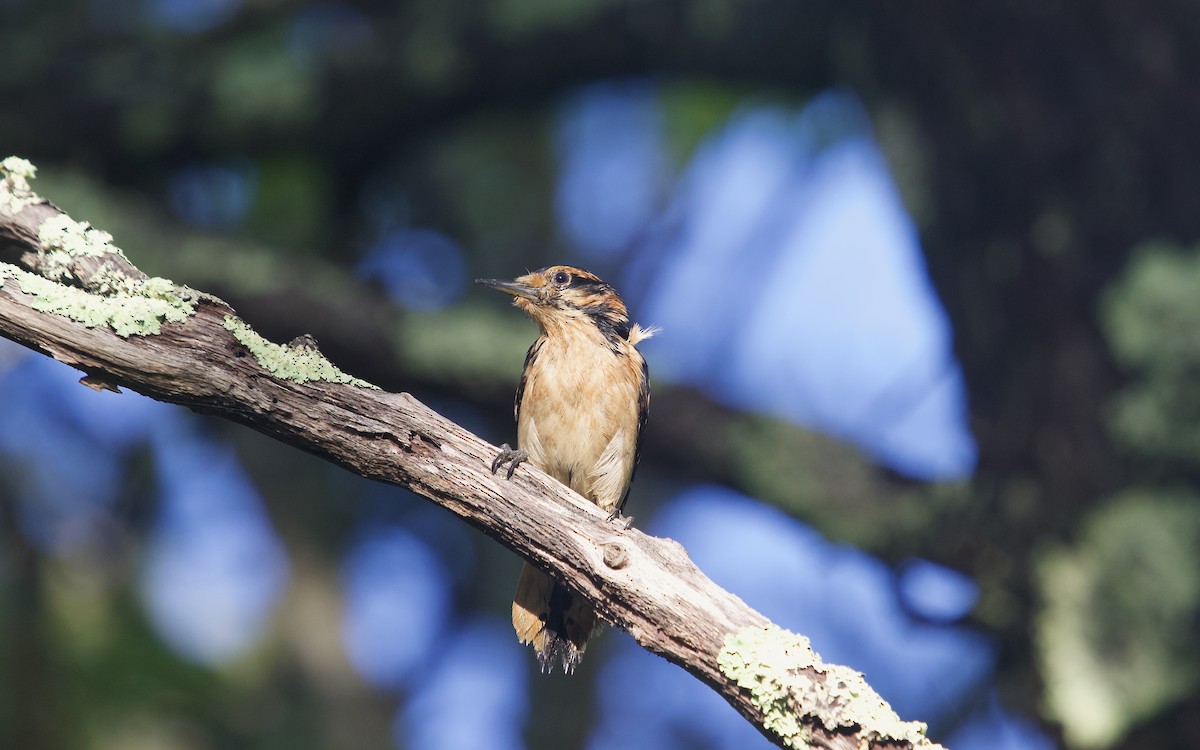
517 457
622 520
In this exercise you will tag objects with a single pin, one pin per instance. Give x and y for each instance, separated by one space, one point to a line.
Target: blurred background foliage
926 390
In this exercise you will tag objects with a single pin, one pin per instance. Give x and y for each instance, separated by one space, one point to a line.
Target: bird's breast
578 419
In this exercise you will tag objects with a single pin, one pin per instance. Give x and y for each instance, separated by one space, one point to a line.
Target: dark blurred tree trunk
1056 142
32 705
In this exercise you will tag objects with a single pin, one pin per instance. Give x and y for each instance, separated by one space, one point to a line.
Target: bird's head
561 296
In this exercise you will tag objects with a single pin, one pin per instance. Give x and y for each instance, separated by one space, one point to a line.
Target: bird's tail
557 622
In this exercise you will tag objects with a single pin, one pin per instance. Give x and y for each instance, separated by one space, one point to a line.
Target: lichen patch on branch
767 661
140 314
77 238
64 242
296 362
15 193
79 274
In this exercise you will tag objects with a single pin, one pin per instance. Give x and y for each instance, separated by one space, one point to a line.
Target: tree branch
68 293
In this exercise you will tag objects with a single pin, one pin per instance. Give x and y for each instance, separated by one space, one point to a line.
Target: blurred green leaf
1151 316
1115 633
256 84
292 205
468 344
1152 312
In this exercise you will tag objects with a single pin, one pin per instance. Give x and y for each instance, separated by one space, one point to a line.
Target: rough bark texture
646 585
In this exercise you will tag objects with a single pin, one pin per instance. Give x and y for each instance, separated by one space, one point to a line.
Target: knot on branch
615 555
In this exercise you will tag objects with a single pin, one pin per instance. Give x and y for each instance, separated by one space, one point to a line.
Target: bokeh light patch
214 567
192 16
994 728
476 695
936 592
421 269
789 280
213 196
397 598
65 445
612 166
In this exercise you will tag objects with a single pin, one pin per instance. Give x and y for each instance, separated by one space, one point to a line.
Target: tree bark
211 362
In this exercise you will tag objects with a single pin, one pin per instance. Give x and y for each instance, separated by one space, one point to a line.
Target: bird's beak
515 288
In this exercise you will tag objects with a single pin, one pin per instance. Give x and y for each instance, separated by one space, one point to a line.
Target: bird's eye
562 278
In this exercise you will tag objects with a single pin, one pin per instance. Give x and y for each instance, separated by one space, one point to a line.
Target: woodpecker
580 408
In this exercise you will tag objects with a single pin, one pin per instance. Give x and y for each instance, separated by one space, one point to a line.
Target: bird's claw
507 454
623 520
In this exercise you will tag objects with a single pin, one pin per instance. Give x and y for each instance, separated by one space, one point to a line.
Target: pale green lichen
18 168
130 305
63 241
158 287
15 193
78 238
127 314
108 280
767 662
299 363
